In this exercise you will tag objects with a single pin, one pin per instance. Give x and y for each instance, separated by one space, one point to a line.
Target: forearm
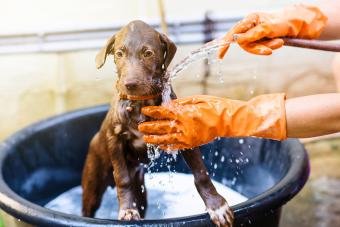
331 8
314 115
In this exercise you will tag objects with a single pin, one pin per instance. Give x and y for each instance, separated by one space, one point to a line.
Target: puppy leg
124 180
140 191
217 207
95 179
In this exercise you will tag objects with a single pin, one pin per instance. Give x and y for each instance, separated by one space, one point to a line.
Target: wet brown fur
117 150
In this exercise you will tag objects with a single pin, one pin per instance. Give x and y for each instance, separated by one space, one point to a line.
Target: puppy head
141 55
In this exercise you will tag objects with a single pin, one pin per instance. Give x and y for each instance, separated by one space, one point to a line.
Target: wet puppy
116 152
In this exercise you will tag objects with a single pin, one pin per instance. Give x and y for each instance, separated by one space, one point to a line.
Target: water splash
200 53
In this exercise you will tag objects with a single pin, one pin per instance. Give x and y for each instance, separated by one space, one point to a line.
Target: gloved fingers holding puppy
193 121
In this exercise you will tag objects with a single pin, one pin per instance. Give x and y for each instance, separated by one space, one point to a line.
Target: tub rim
26 211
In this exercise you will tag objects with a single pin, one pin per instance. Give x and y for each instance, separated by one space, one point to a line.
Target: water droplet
134 204
215 166
237 161
241 141
222 158
216 153
233 180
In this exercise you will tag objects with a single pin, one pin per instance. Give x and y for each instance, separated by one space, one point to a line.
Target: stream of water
198 54
201 53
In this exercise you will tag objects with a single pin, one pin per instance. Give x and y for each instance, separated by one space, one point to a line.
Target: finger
195 99
246 24
263 47
222 51
241 27
256 48
172 147
273 43
158 112
252 35
177 146
158 127
173 138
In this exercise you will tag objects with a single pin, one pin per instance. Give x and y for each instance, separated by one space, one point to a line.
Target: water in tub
169 195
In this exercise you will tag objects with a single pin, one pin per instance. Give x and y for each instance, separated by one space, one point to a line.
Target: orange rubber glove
193 121
259 32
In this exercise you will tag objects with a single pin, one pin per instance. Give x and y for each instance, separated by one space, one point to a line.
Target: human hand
196 120
259 33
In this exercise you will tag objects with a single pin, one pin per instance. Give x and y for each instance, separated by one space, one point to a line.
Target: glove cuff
263 116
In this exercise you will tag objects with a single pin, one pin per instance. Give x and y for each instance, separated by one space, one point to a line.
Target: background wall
35 86
42 15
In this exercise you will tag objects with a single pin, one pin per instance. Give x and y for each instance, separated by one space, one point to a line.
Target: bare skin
331 9
336 70
313 115
332 31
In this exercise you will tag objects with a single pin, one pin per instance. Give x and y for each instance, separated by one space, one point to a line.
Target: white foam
169 195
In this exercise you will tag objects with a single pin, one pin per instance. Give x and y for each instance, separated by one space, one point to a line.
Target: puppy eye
119 54
148 53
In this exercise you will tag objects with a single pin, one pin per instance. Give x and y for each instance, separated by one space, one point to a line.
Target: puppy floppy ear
101 56
170 50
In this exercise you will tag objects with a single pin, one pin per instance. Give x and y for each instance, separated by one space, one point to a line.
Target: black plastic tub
46 159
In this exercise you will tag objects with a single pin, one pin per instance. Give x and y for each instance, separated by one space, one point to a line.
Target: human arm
313 115
196 120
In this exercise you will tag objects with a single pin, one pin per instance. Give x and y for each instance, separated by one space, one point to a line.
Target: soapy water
169 196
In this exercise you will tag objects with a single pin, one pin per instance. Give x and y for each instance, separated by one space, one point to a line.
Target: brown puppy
116 152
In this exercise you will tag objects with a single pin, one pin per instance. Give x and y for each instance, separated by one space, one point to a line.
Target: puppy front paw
222 216
128 215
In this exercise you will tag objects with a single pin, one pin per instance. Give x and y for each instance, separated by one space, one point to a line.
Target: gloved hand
193 121
260 32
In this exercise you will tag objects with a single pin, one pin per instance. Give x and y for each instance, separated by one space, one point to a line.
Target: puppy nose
130 85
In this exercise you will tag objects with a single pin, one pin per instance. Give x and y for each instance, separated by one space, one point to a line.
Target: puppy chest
130 135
